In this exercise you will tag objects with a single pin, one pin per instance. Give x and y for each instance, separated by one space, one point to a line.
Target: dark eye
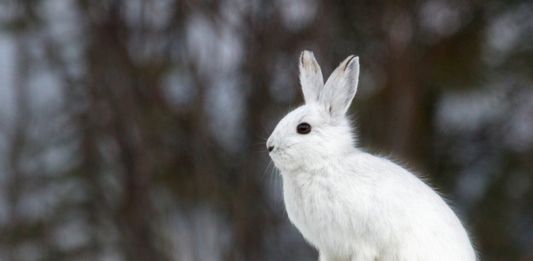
303 128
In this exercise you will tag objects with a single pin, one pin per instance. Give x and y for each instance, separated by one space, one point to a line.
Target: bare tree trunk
18 142
115 77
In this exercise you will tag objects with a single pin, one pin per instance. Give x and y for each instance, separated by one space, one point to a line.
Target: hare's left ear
341 87
310 77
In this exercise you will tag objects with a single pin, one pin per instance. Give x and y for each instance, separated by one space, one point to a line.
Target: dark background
134 130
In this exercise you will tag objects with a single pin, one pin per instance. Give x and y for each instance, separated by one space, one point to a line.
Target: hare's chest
313 209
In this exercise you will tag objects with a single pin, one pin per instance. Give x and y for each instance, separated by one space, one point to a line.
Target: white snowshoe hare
349 204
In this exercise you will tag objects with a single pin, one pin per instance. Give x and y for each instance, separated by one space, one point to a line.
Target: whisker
272 174
265 128
284 208
264 173
258 143
276 186
296 143
265 139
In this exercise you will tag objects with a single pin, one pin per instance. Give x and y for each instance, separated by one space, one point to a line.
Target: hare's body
351 205
363 207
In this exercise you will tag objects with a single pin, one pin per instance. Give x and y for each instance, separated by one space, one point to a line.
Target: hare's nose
270 148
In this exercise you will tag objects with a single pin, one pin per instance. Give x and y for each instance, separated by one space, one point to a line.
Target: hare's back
417 219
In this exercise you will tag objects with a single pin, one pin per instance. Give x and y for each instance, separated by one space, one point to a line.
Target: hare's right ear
341 87
310 77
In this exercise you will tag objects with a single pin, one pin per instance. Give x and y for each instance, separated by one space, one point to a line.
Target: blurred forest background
134 130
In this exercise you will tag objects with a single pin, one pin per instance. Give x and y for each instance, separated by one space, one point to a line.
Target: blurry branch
18 142
115 77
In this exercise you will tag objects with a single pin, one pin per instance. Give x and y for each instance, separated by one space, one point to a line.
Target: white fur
349 204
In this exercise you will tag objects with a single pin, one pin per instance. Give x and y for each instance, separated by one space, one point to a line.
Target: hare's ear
341 87
310 77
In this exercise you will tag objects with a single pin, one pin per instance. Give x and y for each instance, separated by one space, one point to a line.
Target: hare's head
319 130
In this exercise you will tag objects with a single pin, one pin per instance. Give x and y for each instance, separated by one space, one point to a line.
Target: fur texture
351 205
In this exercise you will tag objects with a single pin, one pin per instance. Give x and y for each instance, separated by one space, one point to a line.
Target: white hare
349 204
